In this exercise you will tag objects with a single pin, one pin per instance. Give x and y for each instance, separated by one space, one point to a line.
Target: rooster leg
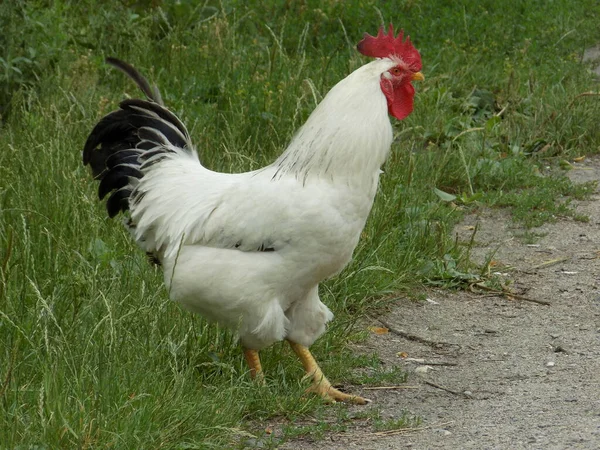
253 361
321 384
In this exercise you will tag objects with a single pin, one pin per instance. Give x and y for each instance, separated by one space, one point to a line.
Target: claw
320 384
330 394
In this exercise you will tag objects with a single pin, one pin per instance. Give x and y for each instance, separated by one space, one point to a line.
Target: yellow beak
417 76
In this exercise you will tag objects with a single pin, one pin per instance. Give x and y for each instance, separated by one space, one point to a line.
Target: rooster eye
396 71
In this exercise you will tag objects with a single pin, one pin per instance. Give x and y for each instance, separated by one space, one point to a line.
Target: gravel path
522 375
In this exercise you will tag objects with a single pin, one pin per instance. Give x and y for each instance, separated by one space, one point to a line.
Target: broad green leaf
444 196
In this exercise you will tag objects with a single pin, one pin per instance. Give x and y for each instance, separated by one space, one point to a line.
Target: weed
406 420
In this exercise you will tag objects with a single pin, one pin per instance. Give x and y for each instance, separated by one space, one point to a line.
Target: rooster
248 250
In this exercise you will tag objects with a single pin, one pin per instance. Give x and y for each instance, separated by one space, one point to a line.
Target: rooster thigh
250 292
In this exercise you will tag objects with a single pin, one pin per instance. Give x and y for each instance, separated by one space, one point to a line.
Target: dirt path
523 375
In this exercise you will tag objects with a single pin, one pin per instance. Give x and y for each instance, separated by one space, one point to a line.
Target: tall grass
92 353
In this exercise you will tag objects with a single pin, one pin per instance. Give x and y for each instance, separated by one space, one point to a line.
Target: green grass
92 352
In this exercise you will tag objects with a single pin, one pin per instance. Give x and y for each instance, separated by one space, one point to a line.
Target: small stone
254 443
443 432
550 364
591 55
422 369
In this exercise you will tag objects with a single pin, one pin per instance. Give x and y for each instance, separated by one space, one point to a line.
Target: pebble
443 432
254 443
422 369
550 364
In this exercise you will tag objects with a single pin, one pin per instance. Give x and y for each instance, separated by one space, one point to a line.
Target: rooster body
249 250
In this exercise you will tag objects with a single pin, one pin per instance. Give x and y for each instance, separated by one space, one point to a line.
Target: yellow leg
321 385
253 361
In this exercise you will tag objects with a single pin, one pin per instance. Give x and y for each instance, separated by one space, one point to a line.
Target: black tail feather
151 92
118 201
120 146
117 178
122 157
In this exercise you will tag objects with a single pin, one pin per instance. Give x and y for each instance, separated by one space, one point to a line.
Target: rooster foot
320 384
329 394
253 360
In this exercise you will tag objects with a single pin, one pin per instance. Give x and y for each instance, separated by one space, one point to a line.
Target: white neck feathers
348 136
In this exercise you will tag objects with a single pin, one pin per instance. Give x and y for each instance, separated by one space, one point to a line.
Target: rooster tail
129 140
151 92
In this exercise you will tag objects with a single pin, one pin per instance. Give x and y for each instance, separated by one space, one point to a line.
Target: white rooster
249 250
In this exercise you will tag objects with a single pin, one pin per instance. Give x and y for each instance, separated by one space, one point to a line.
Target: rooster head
396 83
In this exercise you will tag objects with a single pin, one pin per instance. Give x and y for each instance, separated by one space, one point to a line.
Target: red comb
387 45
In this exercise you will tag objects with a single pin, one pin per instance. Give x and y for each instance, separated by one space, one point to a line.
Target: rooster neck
347 137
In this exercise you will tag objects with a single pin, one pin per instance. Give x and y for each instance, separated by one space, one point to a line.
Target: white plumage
249 250
310 206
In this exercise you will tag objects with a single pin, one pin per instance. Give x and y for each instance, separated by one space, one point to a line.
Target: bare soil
498 372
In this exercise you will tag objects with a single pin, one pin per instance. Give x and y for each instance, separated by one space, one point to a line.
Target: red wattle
400 98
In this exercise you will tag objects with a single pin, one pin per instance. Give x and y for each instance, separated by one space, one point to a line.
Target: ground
493 372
